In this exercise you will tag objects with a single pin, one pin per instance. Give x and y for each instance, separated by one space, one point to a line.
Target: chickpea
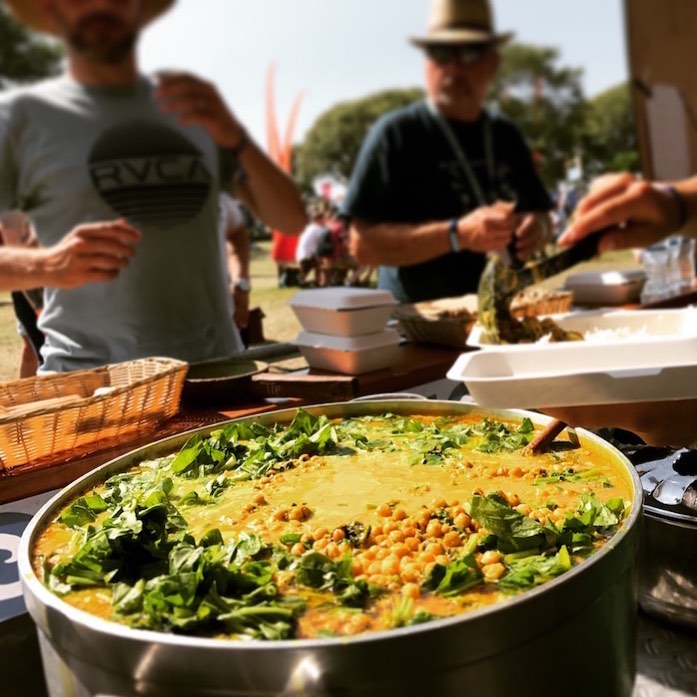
491 556
411 590
435 548
374 569
281 514
400 550
384 511
338 535
298 549
462 521
412 543
411 575
358 623
300 513
319 533
390 565
396 536
320 545
452 539
512 498
259 500
434 529
493 572
399 514
332 550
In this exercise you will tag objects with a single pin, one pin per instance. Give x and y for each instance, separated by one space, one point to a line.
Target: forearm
23 268
239 256
269 192
395 244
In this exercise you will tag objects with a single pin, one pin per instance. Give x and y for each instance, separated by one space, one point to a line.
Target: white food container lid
387 337
339 298
605 278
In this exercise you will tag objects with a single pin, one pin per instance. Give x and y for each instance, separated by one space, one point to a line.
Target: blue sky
337 50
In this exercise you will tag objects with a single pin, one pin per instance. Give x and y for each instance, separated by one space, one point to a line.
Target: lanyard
462 157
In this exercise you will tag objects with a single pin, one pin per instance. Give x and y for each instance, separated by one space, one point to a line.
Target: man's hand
241 300
487 229
197 102
636 213
534 231
92 252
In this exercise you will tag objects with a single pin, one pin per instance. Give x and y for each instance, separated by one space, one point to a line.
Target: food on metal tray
324 527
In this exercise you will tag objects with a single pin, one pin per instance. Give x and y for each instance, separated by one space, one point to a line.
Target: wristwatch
452 235
242 284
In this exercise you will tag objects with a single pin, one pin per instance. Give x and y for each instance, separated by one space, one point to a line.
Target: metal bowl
576 633
224 380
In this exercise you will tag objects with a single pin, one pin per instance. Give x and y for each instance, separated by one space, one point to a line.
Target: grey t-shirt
71 154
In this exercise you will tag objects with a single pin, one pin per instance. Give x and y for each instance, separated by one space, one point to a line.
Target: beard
101 38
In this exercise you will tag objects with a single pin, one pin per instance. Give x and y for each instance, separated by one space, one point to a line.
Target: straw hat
29 13
460 22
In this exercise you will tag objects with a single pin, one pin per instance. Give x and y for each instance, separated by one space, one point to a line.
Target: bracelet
679 202
452 235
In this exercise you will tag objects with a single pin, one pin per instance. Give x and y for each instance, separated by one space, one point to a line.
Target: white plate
609 327
580 373
628 356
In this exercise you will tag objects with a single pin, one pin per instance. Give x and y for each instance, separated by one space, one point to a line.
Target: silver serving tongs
503 277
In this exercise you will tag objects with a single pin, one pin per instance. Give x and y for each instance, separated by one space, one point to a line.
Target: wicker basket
533 302
447 322
60 413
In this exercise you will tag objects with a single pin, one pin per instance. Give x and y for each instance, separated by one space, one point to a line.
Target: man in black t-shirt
425 198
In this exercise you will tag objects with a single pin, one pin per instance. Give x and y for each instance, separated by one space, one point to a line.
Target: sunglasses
468 54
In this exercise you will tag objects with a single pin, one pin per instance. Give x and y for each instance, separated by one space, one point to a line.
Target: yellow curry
332 527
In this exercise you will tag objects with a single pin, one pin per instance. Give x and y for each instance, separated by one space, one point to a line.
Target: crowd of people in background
322 253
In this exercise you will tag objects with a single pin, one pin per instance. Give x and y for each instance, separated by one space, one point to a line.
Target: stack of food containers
345 329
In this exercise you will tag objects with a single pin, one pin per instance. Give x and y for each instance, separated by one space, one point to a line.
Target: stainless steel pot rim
32 584
685 520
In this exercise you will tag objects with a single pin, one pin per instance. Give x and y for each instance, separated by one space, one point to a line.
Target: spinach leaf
513 530
454 578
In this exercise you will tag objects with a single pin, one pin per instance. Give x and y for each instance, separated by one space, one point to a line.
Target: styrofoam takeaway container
351 355
343 311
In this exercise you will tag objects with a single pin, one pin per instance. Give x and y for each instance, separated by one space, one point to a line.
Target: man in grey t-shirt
103 143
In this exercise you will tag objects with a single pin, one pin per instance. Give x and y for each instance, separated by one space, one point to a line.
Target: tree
610 139
332 144
24 56
545 101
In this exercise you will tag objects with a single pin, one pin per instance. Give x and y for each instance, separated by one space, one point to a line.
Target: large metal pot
667 559
574 636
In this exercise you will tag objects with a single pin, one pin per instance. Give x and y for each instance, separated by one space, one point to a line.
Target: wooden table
415 365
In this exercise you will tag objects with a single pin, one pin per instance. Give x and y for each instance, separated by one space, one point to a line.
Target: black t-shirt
407 172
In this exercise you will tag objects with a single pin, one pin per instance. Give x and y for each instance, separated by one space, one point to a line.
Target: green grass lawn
280 323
